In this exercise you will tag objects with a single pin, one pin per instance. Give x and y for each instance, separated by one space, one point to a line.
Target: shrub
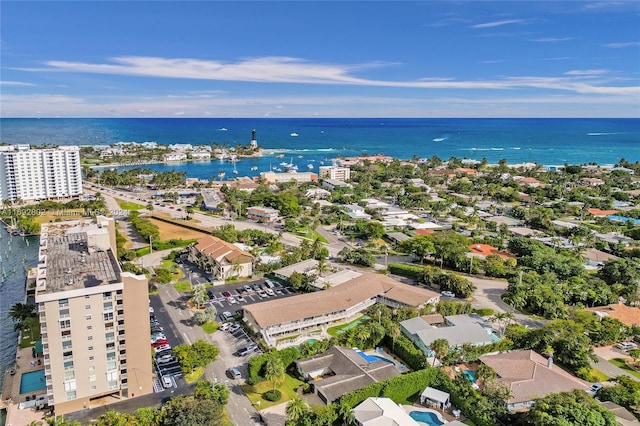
254 380
484 312
307 388
272 395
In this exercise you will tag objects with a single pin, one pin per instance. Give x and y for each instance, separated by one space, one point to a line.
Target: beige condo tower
93 317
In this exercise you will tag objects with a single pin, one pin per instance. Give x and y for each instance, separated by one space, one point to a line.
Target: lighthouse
254 142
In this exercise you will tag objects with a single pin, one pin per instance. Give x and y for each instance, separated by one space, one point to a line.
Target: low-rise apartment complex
93 317
294 315
220 258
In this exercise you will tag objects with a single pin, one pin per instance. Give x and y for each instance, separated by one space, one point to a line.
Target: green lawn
598 375
339 329
310 234
183 287
176 272
288 389
194 376
210 327
129 205
620 362
30 333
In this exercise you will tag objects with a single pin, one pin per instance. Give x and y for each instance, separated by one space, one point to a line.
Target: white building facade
39 174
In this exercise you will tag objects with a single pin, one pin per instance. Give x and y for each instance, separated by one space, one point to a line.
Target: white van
269 284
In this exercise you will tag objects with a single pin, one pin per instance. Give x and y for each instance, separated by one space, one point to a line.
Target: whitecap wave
604 133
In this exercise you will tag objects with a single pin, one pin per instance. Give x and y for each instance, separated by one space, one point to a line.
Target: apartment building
39 174
95 334
335 173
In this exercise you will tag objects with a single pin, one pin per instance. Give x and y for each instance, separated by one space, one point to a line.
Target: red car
159 343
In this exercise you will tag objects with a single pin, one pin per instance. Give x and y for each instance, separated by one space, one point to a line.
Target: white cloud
15 83
622 45
551 39
587 72
295 70
494 24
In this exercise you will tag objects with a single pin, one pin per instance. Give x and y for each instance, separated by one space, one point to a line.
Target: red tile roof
598 212
485 250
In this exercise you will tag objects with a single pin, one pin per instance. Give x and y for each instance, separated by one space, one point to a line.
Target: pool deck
11 396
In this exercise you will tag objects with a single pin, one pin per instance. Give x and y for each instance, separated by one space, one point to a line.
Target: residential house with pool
309 315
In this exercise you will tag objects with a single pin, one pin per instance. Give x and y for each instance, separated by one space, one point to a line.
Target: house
623 416
220 258
396 237
332 184
504 220
211 200
265 214
317 193
334 173
594 257
601 213
356 212
299 177
457 330
381 412
529 376
628 315
302 313
347 370
484 250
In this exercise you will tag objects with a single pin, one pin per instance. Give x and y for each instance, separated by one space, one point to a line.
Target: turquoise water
374 358
470 375
425 417
32 381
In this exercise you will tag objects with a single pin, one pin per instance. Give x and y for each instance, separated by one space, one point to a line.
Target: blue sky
320 58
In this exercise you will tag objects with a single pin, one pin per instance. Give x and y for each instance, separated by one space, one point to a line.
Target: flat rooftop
74 262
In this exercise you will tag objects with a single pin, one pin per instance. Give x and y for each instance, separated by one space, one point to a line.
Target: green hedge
405 270
407 351
287 355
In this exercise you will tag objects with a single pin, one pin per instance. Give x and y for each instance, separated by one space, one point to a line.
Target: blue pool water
374 358
425 417
32 381
470 375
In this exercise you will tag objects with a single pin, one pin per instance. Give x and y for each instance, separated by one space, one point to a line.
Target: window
63 303
111 366
64 313
91 358
68 365
87 317
111 346
70 385
86 296
108 316
109 337
93 388
107 306
66 345
66 334
112 375
111 356
92 368
92 378
87 307
69 375
90 348
65 324
89 327
106 295
113 385
67 355
71 395
89 337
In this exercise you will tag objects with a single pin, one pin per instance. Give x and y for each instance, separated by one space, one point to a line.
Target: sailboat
235 171
254 168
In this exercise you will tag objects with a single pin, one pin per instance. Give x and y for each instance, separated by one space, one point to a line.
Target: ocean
16 254
545 141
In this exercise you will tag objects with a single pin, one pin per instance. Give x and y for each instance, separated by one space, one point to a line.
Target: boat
299 156
438 139
223 129
310 166
280 155
294 134
235 171
254 168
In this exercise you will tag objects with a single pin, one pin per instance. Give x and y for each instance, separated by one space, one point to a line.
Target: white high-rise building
39 174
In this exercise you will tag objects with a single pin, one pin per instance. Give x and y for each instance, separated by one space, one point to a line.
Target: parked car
225 326
269 284
247 350
234 327
158 337
226 316
262 294
210 294
234 372
270 292
595 388
162 348
232 300
241 299
447 294
256 287
159 343
247 287
226 294
626 345
163 359
166 382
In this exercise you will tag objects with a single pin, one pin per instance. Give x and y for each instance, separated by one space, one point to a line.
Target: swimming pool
426 417
32 381
373 358
470 375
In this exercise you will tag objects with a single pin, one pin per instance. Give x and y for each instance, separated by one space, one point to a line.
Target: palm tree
296 409
21 311
274 371
440 348
362 333
346 413
199 295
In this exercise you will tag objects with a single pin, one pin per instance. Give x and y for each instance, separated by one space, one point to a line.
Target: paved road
239 407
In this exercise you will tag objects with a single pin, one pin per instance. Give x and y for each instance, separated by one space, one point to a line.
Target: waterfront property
341 370
220 258
277 319
93 318
39 174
